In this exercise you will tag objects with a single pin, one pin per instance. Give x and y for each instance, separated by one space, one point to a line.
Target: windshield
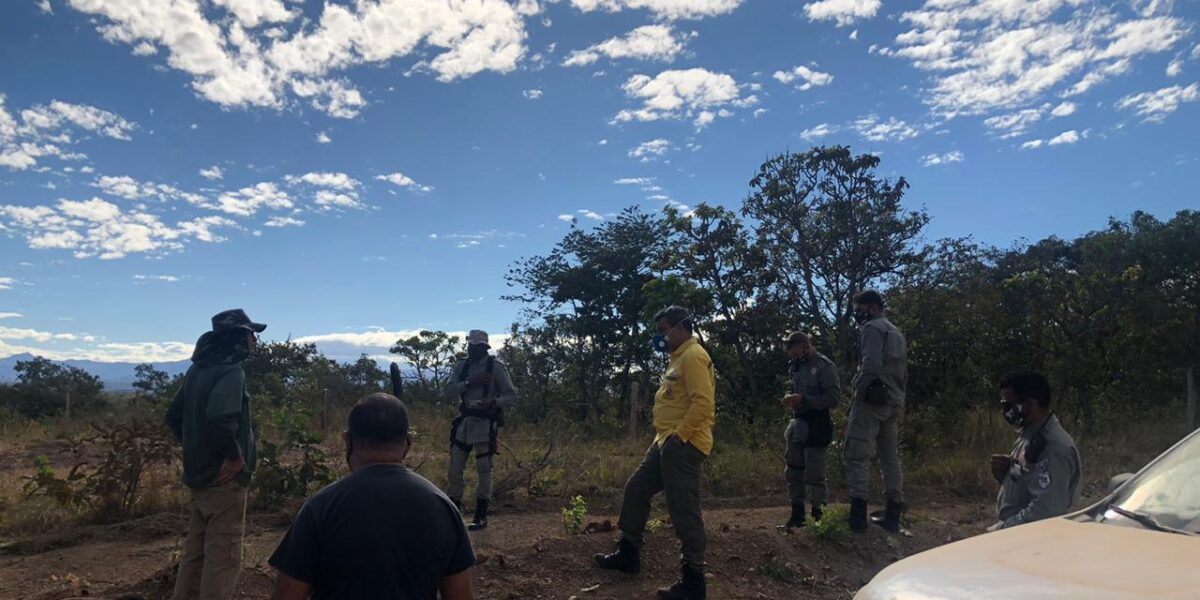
1169 491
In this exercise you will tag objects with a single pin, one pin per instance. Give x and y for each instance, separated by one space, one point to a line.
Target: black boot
858 515
818 511
481 509
690 587
797 518
626 559
890 520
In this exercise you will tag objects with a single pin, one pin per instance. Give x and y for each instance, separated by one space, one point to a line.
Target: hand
1001 463
792 400
229 469
479 379
995 527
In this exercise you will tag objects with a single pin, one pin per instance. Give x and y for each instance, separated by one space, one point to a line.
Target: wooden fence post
1193 396
635 408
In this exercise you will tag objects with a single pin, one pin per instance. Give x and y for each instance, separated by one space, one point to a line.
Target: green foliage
653 525
777 568
431 355
832 526
293 462
43 387
109 490
574 514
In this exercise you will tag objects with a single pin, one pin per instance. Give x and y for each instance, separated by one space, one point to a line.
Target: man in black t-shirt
381 532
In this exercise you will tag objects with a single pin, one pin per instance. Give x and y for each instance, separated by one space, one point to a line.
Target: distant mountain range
116 376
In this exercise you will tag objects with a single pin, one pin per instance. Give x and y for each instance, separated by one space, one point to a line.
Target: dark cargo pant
675 470
806 469
873 427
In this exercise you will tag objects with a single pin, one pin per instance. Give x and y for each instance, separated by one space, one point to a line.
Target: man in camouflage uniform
875 413
1039 479
814 392
210 417
481 387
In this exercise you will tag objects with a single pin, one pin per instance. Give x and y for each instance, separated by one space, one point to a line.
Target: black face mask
477 352
862 316
1014 413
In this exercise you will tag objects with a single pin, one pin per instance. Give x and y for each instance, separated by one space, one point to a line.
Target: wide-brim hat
235 319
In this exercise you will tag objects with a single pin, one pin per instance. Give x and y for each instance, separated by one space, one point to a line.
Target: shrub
279 479
573 516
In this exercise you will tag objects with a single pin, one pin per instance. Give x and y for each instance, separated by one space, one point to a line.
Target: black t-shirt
380 532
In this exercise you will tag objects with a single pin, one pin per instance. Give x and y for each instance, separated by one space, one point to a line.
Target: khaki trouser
806 469
675 470
873 426
212 554
483 466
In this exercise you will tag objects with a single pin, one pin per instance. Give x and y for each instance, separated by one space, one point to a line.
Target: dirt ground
524 554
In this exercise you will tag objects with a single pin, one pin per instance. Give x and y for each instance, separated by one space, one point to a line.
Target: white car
1141 541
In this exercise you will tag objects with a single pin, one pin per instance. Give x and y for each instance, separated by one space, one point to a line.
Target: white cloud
648 42
248 200
998 54
533 94
1175 67
666 9
693 93
853 35
1064 109
891 130
648 151
164 278
642 181
97 228
590 214
1154 106
8 315
283 222
566 218
808 77
44 6
214 172
758 112
404 181
843 12
129 188
6 283
602 142
818 131
323 138
1066 137
339 181
1014 124
48 130
930 160
232 63
329 199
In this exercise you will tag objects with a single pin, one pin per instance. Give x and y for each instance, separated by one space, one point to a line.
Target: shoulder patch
1042 474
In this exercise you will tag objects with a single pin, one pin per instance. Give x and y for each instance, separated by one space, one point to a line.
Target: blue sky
350 171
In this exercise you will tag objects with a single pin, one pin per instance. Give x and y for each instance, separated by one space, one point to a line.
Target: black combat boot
890 520
626 559
690 587
481 509
818 511
797 518
858 515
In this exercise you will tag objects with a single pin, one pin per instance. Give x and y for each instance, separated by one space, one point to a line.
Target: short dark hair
378 420
675 315
1028 384
869 297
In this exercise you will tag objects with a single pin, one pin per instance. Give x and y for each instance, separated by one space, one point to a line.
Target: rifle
397 382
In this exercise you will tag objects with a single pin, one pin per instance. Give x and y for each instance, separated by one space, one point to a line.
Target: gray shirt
883 354
815 378
1042 486
477 430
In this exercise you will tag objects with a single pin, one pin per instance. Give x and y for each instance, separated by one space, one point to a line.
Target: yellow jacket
685 402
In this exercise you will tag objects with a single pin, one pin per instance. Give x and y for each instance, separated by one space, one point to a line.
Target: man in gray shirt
875 413
1040 478
481 387
813 392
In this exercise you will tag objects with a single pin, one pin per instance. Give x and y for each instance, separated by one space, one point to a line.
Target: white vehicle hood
1056 558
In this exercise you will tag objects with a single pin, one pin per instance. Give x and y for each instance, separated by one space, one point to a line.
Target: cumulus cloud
284 222
930 160
404 181
665 9
641 181
247 201
212 173
871 128
817 132
323 138
98 228
6 283
590 214
808 77
340 181
48 130
843 12
124 186
1154 107
651 150
1067 137
988 55
695 93
533 94
235 62
648 42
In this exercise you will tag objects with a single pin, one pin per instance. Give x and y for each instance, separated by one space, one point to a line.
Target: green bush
573 516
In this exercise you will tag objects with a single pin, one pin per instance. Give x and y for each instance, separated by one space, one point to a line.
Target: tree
830 228
431 355
43 387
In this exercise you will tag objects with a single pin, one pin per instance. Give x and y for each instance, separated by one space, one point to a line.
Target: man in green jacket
210 417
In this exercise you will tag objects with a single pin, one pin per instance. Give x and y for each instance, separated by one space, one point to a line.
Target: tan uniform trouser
870 428
212 554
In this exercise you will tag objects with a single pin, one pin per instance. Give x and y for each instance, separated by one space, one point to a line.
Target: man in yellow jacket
684 410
